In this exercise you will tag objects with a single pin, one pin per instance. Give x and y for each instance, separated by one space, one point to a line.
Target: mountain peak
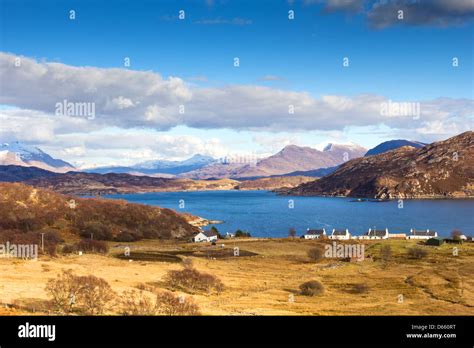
18 153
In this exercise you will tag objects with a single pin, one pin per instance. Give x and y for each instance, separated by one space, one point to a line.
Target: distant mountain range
290 159
442 169
162 168
20 154
392 145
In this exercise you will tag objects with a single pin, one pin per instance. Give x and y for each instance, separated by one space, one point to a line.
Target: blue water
265 214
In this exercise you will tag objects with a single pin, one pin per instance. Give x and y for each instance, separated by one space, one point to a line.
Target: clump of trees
88 294
311 288
24 210
191 280
242 234
164 303
87 245
48 238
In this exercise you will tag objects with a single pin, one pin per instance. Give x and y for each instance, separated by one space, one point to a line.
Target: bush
316 254
92 246
417 253
165 303
63 291
311 288
126 237
456 234
190 279
69 249
69 291
95 294
169 304
385 253
99 231
135 302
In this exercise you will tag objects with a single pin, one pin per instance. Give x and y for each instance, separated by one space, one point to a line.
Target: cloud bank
129 99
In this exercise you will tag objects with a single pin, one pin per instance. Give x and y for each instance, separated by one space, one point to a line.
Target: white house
205 236
375 234
414 234
314 234
340 234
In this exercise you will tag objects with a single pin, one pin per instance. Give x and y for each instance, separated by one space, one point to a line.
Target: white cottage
340 234
314 234
205 236
425 234
375 234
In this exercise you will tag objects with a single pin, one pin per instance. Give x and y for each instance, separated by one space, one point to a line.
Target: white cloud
128 99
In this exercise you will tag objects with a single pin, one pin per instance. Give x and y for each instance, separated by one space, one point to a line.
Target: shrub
385 253
92 246
456 234
135 302
361 288
99 231
190 279
311 288
95 294
417 253
69 249
63 291
316 254
90 293
169 304
292 232
165 303
126 236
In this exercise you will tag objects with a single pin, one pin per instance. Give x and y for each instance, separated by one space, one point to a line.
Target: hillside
12 173
392 145
27 209
443 169
98 184
273 183
290 159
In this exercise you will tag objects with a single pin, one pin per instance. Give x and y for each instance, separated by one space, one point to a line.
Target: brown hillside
443 169
26 209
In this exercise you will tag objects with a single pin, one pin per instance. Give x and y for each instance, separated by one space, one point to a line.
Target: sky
164 87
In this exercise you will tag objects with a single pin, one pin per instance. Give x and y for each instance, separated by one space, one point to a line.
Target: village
431 237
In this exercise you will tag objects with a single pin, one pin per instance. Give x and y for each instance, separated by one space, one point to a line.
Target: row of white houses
370 234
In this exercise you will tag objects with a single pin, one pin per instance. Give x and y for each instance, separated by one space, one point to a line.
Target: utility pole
42 242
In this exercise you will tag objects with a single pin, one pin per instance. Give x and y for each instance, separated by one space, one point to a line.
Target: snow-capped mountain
20 154
159 167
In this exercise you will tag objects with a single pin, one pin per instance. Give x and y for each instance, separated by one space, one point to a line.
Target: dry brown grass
439 284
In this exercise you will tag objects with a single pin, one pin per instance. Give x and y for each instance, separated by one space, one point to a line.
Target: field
265 278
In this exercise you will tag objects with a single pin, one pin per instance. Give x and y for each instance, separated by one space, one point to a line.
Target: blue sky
404 61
